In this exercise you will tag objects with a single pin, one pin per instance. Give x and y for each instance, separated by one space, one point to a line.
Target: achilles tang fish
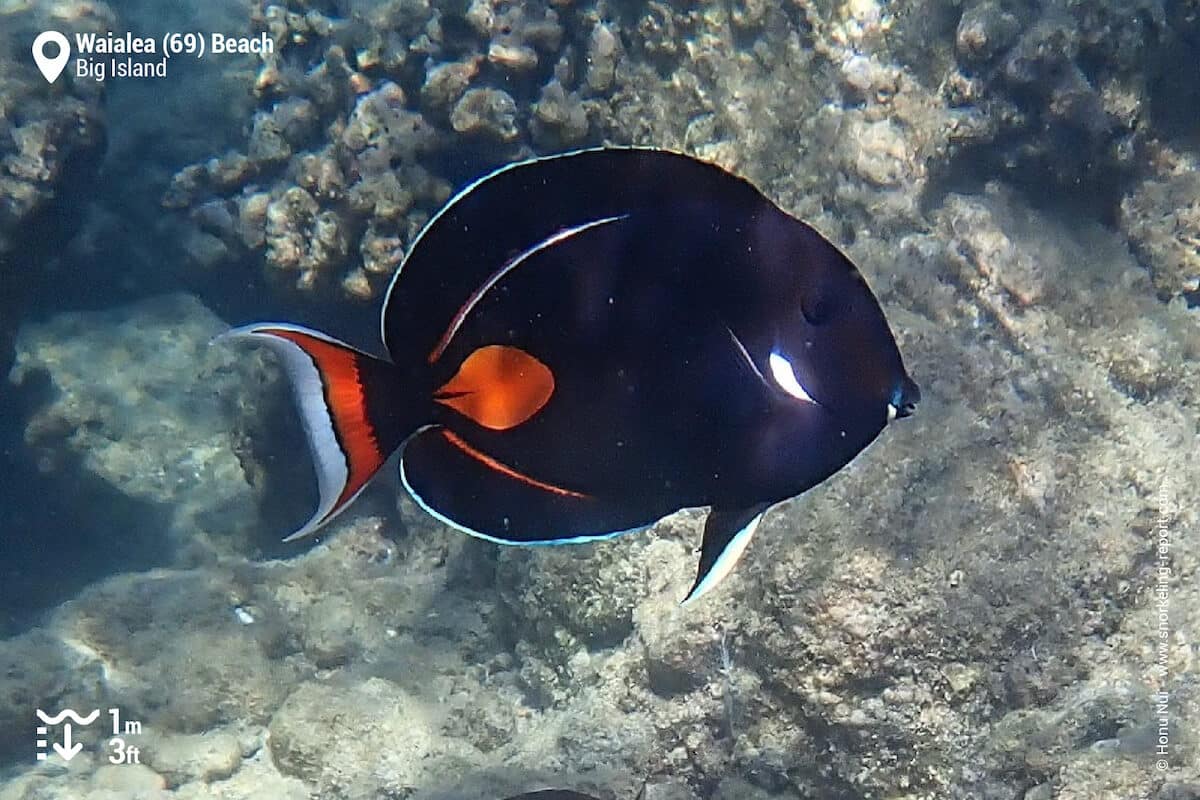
582 344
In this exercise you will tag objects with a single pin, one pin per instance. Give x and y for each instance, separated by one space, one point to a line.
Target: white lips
785 376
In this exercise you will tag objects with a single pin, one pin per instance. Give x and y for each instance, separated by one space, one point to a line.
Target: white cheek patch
785 376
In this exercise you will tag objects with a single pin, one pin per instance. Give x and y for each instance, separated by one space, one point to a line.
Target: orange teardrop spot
498 387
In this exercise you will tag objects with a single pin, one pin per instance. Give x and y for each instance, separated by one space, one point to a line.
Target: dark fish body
583 344
552 794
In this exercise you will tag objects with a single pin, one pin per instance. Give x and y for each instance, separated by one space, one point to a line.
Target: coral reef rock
141 401
51 142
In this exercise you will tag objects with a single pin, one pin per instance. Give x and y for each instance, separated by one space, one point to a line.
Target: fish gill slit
745 354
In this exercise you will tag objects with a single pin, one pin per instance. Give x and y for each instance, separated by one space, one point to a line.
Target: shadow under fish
580 345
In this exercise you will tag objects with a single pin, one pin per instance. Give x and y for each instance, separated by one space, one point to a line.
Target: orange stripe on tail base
488 461
345 397
498 387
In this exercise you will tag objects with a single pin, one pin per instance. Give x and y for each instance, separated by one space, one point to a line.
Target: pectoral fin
726 535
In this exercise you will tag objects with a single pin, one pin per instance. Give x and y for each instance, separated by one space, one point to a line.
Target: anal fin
726 535
488 498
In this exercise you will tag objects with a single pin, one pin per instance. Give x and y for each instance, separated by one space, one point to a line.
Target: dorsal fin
512 209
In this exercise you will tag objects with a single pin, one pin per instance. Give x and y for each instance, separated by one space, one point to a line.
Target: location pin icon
51 67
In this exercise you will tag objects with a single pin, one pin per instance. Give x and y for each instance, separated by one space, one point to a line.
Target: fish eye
818 308
785 377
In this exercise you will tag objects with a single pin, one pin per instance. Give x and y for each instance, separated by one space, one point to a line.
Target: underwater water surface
998 598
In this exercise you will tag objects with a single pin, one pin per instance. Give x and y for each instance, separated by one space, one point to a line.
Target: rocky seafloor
977 607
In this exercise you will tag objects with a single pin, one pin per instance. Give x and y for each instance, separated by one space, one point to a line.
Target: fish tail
353 417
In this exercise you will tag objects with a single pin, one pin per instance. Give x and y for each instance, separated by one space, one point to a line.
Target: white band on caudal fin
329 461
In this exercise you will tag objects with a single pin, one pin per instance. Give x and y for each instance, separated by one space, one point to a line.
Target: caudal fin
348 404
